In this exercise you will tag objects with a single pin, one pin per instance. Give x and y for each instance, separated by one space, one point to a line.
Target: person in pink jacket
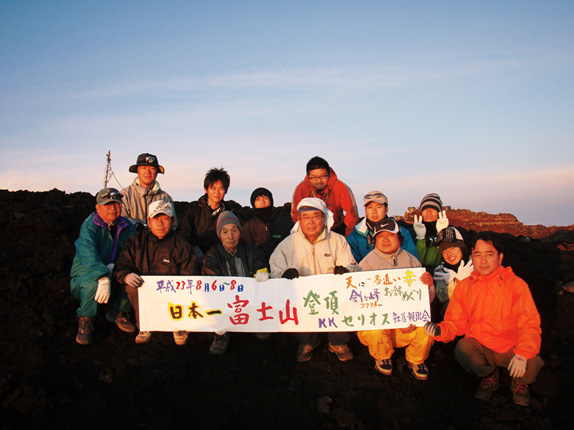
322 182
494 311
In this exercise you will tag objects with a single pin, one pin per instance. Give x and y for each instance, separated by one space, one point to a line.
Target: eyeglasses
374 196
315 217
317 178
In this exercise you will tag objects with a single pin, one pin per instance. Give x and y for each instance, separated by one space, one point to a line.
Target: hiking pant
478 359
85 291
382 343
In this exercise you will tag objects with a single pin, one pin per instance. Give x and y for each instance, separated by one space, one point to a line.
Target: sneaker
487 386
219 344
520 393
180 337
143 337
85 330
122 320
343 352
384 366
420 371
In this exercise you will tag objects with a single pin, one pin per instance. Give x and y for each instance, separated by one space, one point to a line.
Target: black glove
432 329
339 270
290 274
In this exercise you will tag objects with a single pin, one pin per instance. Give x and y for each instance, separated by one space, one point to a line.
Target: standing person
455 266
144 190
388 254
313 249
361 240
231 256
102 237
494 311
322 182
198 225
158 250
426 226
267 227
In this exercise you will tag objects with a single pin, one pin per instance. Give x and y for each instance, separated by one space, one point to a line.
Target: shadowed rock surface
48 381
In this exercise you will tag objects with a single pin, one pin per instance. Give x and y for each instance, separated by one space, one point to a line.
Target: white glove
420 229
464 270
133 280
446 276
261 276
442 221
104 290
110 267
517 366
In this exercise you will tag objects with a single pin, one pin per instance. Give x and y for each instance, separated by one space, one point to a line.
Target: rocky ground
48 381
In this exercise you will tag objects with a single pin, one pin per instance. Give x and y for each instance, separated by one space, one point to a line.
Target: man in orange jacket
494 310
322 182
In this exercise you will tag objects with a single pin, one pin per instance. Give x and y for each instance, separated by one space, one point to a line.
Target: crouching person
388 254
231 256
313 249
102 236
494 311
157 251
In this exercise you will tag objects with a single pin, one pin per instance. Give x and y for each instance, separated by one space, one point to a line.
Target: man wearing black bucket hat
144 190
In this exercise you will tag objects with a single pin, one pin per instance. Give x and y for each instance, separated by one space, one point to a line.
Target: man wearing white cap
157 251
313 249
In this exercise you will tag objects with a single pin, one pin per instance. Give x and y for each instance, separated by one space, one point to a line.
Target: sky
472 100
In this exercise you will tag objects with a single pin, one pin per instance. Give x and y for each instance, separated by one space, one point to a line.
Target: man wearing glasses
322 182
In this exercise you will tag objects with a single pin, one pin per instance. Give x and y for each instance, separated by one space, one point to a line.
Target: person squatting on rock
456 265
431 219
268 227
231 256
102 237
198 225
494 311
144 190
361 240
388 254
158 250
313 249
322 182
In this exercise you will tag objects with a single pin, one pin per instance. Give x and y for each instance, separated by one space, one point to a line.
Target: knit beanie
432 201
261 192
224 218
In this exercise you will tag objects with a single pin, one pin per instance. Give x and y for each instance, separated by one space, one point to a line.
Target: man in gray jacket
144 190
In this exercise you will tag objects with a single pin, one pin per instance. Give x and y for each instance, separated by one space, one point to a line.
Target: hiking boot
520 393
305 351
122 320
180 337
143 337
343 352
219 344
420 371
384 366
262 336
85 330
487 386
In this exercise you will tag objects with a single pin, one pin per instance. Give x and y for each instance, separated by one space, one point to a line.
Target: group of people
136 232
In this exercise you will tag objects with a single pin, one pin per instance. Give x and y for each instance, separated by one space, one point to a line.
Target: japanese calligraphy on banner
374 300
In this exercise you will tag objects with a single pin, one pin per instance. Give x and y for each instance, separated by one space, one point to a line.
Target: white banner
375 300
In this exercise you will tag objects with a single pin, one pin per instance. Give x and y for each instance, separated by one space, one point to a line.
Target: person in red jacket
494 311
322 182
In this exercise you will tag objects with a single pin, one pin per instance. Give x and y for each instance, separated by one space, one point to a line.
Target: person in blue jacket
102 237
361 238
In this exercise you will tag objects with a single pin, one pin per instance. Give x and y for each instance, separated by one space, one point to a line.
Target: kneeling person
388 254
157 251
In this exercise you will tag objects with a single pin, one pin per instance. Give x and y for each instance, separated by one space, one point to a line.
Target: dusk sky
471 100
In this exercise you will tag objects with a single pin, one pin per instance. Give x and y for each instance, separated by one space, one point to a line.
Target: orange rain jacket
336 195
497 310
